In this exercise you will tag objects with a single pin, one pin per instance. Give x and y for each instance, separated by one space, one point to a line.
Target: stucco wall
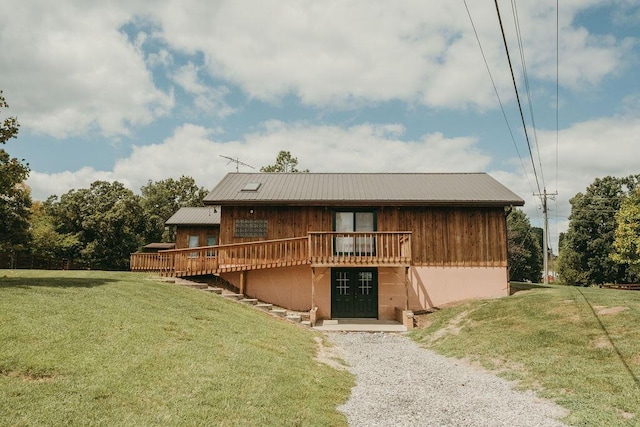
437 286
288 287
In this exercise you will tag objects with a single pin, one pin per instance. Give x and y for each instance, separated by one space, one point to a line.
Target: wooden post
406 288
313 287
243 279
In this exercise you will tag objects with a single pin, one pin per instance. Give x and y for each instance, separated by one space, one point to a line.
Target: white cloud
586 151
206 98
336 53
193 150
69 70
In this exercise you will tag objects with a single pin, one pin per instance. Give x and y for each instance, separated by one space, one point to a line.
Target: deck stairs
302 318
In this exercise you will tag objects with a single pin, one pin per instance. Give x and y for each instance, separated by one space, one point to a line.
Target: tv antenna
237 162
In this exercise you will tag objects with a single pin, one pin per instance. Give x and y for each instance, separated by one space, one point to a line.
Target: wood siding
441 236
183 233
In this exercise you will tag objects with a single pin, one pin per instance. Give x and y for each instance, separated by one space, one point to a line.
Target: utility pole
545 232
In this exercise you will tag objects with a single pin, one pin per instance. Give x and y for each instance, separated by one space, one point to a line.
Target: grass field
107 348
577 346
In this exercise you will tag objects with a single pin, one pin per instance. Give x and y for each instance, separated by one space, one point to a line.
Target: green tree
107 219
627 235
46 242
524 252
585 252
15 197
285 163
161 199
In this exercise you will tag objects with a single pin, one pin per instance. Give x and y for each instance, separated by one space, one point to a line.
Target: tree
15 196
46 243
627 235
285 163
585 253
524 251
161 199
107 219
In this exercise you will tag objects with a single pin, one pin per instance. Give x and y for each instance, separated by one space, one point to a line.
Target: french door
354 292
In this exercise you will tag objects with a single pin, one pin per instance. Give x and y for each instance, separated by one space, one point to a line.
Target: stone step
214 290
236 297
196 285
264 306
306 323
280 312
293 318
251 301
305 316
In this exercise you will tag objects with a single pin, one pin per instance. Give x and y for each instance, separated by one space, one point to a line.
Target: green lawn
107 348
577 346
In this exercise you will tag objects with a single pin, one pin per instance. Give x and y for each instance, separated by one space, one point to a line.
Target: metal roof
374 189
209 215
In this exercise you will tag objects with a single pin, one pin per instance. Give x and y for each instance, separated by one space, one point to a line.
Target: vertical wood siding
473 237
183 233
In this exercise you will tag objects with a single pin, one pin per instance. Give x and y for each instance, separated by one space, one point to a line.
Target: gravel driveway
401 384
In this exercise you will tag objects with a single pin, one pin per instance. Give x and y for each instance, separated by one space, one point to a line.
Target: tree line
100 226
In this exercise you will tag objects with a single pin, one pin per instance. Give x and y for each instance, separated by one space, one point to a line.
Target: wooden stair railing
317 248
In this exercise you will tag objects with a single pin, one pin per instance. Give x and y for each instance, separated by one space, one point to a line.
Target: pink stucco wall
290 287
437 286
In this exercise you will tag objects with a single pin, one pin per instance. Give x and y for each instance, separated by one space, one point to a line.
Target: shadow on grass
53 282
613 344
525 286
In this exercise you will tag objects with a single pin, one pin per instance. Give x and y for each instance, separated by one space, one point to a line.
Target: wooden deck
371 249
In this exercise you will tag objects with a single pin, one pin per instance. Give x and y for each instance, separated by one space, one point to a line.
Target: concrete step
280 312
236 297
305 316
293 318
250 301
195 285
264 306
214 290
306 323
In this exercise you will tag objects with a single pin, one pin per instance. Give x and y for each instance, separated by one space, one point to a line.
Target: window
211 241
250 228
349 222
194 242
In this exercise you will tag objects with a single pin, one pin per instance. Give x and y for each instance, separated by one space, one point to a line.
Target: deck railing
318 248
371 248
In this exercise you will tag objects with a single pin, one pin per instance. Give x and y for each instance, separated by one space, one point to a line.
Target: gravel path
401 384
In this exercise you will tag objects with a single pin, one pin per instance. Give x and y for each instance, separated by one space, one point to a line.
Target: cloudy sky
135 90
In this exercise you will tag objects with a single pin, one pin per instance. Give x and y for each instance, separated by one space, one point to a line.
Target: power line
495 89
525 76
515 86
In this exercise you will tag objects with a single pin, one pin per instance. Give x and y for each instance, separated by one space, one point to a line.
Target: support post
406 288
243 281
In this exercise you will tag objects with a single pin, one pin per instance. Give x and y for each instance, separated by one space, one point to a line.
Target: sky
137 90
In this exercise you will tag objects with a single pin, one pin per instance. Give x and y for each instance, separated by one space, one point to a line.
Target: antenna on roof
237 162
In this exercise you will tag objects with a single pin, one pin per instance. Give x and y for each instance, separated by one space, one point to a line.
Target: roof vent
251 186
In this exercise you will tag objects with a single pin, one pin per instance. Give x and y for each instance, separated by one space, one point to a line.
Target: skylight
251 186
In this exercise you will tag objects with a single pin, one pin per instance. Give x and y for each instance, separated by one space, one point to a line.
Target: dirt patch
453 328
38 377
600 310
601 342
330 355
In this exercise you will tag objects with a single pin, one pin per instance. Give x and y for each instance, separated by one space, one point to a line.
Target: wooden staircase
302 318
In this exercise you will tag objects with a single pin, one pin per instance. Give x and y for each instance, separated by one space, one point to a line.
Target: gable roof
195 216
372 189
